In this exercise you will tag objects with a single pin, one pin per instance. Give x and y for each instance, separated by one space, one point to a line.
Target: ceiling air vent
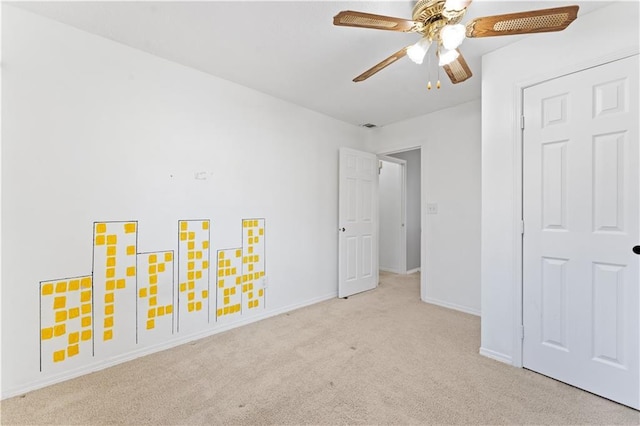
368 125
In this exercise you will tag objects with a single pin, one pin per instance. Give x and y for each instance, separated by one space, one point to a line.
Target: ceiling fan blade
458 70
533 21
383 64
349 18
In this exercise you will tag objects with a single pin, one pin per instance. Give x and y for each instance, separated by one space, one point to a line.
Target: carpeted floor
381 357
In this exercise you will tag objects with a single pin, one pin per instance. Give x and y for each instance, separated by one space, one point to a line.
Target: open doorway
399 198
392 215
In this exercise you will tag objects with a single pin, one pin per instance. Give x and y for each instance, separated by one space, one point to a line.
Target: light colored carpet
381 357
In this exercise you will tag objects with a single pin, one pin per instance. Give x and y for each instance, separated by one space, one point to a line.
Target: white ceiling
291 50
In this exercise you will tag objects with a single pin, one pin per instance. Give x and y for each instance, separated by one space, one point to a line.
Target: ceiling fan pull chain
429 72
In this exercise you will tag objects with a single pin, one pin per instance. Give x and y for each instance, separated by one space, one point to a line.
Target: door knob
341 229
636 249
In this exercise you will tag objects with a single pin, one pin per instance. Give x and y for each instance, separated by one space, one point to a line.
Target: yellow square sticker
85 282
47 289
61 301
85 322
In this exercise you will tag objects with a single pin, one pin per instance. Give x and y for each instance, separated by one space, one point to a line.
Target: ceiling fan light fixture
431 19
447 56
452 36
418 51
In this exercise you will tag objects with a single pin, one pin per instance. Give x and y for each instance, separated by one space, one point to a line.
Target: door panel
554 302
554 185
357 220
608 181
581 189
608 314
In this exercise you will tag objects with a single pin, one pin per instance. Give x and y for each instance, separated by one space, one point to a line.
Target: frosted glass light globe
417 52
447 56
452 36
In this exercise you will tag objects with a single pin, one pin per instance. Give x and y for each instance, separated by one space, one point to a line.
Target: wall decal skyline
131 298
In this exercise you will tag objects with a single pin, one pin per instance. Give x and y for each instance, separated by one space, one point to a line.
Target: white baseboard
148 350
453 306
496 356
395 271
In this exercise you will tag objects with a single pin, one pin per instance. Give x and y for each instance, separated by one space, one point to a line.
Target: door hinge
521 332
522 227
522 122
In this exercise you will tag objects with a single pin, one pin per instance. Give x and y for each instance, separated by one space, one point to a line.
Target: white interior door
392 217
581 222
358 222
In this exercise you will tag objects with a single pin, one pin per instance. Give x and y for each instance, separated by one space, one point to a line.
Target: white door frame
518 135
403 214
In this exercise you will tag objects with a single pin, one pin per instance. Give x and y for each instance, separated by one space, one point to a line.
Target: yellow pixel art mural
133 298
193 274
114 286
253 269
155 296
66 320
229 279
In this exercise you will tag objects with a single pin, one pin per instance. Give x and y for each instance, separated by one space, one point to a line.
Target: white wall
390 199
94 130
450 146
413 203
594 38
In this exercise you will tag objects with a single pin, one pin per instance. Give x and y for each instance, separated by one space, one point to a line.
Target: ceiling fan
438 21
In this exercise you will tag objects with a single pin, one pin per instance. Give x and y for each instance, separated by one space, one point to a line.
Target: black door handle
341 229
636 249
